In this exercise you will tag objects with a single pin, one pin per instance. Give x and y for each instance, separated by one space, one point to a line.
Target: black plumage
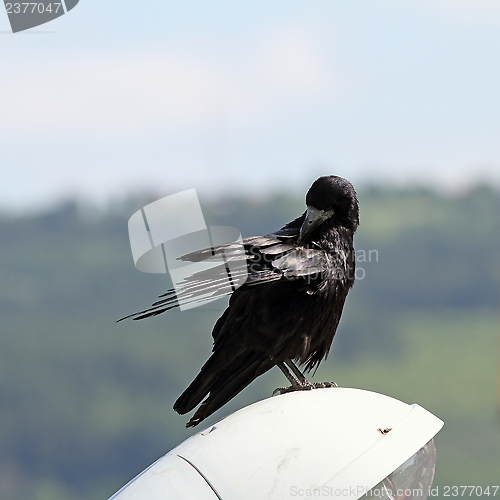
289 307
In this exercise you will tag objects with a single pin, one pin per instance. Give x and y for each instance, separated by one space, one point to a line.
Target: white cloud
135 93
289 62
468 12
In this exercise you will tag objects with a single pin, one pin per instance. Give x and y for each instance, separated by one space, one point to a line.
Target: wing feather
259 259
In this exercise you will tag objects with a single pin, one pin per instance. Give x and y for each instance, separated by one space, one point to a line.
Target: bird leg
296 382
297 372
299 382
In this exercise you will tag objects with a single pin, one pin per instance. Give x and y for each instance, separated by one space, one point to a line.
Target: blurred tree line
85 403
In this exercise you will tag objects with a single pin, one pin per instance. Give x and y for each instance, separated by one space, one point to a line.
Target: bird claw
280 390
284 390
322 385
304 387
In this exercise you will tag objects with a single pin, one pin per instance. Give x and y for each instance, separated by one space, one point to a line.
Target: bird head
330 197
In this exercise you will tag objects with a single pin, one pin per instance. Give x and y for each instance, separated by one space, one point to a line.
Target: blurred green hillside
85 403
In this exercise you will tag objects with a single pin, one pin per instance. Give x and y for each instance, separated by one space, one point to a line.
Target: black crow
289 307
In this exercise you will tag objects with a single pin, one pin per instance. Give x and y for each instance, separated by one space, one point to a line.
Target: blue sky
250 96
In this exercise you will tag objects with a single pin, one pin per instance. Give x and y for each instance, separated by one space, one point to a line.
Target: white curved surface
283 446
169 477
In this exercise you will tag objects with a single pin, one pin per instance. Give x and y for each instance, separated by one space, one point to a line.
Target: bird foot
304 387
322 385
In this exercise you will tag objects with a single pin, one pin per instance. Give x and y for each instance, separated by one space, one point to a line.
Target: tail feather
221 385
202 384
219 398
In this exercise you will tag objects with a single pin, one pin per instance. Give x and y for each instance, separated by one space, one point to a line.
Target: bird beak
314 218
